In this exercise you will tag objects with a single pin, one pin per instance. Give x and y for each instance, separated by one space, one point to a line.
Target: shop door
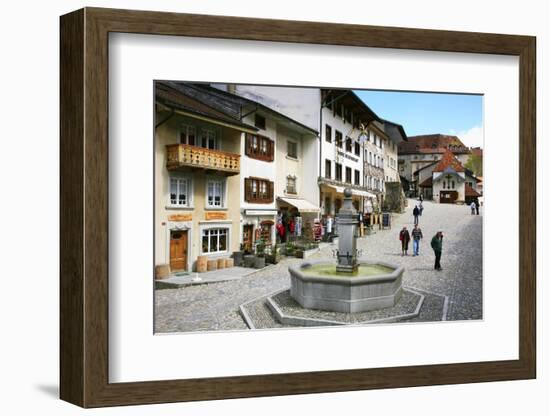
178 250
248 237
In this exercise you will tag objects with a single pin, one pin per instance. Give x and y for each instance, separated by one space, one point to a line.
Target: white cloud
472 137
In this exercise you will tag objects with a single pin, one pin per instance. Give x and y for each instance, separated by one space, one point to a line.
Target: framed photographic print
256 207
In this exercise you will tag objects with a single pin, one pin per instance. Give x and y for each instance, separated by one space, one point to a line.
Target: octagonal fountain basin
317 285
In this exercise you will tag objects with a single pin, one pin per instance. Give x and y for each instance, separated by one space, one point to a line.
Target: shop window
214 240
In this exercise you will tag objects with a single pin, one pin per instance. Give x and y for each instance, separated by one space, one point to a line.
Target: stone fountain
350 285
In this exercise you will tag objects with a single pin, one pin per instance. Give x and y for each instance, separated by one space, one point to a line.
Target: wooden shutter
270 191
271 149
247 144
247 189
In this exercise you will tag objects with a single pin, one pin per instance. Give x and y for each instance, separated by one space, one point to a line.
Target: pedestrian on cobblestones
416 213
476 201
437 245
404 237
473 207
417 236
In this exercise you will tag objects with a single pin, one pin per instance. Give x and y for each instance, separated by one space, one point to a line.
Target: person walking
416 213
476 201
437 246
421 198
416 236
420 208
473 207
404 237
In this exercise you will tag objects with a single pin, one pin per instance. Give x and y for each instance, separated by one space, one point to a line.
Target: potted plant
259 261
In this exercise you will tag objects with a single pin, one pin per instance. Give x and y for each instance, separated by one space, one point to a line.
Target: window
258 190
328 169
338 172
357 149
209 139
259 121
338 109
348 144
338 138
259 147
291 184
357 179
187 134
348 174
265 231
292 149
214 240
328 133
180 191
215 193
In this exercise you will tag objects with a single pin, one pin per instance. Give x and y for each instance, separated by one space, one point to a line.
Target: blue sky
428 113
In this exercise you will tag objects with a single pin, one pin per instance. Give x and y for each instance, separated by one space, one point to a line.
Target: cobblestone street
216 306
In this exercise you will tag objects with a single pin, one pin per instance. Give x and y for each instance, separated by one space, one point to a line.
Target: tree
475 164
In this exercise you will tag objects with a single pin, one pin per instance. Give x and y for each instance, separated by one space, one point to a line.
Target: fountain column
347 221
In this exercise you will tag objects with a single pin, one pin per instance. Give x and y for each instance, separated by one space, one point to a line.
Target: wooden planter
212 265
202 264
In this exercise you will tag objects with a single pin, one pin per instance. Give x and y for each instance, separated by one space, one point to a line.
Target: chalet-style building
420 151
447 181
221 163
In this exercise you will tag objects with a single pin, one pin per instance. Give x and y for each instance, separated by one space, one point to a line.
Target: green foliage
475 164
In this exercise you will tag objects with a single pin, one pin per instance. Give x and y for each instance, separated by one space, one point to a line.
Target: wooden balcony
184 156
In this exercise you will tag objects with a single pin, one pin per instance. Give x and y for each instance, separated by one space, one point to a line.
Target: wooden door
448 197
178 250
248 237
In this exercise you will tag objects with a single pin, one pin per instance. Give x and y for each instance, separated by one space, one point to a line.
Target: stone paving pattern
215 306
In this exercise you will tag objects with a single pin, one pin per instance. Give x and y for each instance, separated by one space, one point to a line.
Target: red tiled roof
449 161
469 191
477 151
432 143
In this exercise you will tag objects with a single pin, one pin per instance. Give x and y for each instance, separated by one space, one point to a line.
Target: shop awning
301 204
340 190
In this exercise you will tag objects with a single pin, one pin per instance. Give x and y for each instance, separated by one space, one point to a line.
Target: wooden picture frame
84 207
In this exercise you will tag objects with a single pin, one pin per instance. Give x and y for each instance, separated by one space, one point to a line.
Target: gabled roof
432 143
469 191
425 167
395 131
449 163
428 183
186 97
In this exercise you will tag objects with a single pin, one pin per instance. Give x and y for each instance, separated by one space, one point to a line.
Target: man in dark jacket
416 236
437 245
416 213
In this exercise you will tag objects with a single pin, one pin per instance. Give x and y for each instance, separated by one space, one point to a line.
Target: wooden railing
184 155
